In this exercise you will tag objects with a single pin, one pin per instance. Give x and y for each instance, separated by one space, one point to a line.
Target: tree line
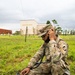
59 28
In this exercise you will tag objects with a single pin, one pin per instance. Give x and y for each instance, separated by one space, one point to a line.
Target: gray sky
12 11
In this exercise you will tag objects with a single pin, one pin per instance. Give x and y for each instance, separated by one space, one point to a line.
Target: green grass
70 39
15 53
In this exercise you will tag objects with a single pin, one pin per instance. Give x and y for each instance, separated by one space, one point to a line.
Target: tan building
30 26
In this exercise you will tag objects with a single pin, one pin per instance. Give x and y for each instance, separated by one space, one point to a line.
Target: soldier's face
44 37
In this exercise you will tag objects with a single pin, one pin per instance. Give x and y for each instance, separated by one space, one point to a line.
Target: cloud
12 11
10 26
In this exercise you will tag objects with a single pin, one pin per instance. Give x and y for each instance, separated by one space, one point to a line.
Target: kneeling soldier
55 51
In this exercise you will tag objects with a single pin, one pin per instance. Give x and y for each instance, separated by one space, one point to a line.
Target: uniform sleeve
36 57
58 50
63 46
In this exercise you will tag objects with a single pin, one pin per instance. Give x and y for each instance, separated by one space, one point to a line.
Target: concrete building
30 26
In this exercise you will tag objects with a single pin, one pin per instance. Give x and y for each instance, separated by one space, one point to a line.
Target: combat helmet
44 30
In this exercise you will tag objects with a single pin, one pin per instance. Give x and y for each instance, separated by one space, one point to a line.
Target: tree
54 21
72 32
58 29
48 22
17 33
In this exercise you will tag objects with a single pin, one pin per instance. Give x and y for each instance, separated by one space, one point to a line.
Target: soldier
55 51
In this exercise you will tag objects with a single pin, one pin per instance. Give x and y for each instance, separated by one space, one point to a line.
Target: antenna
22 8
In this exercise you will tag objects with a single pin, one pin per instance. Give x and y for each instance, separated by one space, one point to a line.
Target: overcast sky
12 11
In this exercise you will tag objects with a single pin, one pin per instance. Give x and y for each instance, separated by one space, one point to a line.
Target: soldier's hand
25 71
51 33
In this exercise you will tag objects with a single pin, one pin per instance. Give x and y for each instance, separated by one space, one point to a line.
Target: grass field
15 53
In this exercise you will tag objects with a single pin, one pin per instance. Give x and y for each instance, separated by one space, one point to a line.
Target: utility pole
26 34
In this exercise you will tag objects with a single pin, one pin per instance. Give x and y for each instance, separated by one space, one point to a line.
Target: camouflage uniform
55 59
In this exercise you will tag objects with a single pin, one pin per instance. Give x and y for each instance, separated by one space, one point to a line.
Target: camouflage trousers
42 69
48 69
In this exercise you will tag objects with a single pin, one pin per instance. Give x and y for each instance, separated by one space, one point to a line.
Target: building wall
31 25
4 31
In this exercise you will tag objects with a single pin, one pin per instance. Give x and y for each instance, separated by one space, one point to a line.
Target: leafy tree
48 22
58 29
54 21
72 32
16 33
65 32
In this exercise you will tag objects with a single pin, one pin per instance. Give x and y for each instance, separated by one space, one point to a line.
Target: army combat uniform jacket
55 59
